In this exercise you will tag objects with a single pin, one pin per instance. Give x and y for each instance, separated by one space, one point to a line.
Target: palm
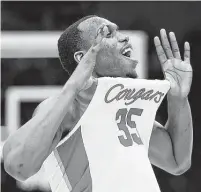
178 72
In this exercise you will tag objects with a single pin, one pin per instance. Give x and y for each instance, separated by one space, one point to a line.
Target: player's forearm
180 129
32 143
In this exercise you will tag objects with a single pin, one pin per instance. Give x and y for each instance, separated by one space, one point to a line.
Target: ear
78 56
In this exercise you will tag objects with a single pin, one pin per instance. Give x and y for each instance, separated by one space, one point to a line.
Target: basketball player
92 49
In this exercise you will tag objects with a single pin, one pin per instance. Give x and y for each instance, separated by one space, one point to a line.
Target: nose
123 38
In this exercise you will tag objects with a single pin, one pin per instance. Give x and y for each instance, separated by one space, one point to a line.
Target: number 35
125 119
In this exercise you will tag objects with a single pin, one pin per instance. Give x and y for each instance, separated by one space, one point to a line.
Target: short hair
69 42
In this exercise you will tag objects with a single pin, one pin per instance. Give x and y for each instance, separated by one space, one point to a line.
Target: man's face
111 61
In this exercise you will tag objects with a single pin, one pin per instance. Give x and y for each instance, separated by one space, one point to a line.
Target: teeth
126 50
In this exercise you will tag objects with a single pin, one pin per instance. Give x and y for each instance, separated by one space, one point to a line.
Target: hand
178 72
103 39
82 77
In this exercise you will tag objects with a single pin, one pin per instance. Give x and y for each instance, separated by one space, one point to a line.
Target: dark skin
170 145
109 60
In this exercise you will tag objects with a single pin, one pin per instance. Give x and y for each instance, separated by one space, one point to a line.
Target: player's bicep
66 125
42 106
160 149
39 109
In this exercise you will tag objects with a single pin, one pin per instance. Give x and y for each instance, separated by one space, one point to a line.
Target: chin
128 75
132 75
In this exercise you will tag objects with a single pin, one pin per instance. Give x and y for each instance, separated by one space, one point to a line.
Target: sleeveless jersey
107 151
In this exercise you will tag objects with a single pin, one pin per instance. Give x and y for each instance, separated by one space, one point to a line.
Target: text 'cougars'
118 92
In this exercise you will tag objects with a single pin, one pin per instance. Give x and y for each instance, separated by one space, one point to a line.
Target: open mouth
126 51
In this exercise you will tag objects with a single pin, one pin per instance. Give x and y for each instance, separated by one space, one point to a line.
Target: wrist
176 100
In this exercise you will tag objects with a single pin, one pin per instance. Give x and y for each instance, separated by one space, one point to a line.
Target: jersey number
125 122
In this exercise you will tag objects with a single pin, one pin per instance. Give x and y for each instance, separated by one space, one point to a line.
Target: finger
166 44
160 52
105 30
187 52
99 35
175 47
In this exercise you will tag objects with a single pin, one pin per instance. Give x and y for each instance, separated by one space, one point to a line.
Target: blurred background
31 71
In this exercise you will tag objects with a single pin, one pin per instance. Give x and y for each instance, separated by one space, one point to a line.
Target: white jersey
107 151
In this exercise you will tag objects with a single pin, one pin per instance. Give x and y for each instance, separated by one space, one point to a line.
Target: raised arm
25 151
171 145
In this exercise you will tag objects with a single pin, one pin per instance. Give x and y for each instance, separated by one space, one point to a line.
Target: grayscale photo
100 96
